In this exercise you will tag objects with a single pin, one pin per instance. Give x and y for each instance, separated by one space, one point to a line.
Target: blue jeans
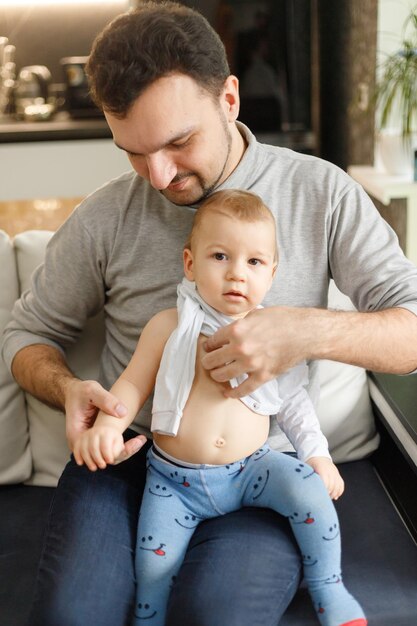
87 570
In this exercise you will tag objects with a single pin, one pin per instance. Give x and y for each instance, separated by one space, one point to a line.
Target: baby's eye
254 262
219 256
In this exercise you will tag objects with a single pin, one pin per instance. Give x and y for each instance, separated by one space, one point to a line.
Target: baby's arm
103 443
298 419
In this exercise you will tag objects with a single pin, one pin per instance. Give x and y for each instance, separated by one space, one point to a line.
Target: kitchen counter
71 163
40 214
60 127
63 127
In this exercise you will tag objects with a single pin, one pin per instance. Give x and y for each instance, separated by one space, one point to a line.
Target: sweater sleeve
65 290
365 258
297 417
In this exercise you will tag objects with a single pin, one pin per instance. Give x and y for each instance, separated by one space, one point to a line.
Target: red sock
356 622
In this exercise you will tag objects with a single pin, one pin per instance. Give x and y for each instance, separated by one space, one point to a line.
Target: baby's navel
220 442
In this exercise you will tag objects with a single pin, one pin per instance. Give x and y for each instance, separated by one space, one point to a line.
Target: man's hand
328 472
269 341
264 344
83 400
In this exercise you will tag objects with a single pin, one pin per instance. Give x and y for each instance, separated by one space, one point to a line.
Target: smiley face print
144 611
305 471
260 485
150 545
188 521
301 518
332 533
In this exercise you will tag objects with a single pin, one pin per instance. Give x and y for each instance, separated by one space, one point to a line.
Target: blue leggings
178 497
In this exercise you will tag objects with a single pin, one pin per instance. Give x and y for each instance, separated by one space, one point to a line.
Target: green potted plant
396 98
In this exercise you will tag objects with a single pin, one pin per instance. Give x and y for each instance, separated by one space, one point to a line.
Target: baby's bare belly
214 429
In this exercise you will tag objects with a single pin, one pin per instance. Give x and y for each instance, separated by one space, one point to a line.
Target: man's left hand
264 344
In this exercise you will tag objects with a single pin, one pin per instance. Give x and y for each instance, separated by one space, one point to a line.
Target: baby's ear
274 271
187 257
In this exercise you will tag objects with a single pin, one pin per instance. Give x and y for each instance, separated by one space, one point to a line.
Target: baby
209 453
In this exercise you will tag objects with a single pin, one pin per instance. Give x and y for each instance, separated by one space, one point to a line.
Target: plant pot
396 153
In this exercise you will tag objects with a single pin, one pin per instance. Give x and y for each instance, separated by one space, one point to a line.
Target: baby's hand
98 446
329 474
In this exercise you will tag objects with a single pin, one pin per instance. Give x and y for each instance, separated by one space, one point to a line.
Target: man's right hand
83 400
43 372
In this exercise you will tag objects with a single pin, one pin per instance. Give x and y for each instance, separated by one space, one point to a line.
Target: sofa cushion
15 453
379 555
345 411
47 426
49 446
21 538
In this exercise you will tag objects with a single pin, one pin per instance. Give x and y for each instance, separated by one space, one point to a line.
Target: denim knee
241 569
86 574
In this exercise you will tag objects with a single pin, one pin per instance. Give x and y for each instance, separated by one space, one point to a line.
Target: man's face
179 138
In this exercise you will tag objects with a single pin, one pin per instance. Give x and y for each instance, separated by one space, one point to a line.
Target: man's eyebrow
173 139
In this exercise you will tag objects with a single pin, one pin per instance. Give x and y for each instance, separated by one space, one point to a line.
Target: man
161 77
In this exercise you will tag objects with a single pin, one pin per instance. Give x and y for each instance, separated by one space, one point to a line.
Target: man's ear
230 98
187 257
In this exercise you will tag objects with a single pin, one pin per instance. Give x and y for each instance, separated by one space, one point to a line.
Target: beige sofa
33 448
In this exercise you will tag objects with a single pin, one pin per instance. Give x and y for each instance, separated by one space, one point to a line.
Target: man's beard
206 187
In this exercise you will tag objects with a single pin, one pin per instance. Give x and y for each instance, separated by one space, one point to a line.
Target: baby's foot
335 606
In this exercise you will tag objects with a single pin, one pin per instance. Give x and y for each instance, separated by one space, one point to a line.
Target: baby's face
232 263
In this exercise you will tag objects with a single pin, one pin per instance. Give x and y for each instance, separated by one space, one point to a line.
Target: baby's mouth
235 294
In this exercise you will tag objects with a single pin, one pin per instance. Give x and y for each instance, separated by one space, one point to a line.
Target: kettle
78 101
31 94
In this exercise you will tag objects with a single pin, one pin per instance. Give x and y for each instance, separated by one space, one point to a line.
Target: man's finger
219 339
244 389
131 447
105 400
217 358
226 373
113 407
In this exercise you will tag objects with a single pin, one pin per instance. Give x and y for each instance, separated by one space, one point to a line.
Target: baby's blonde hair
236 203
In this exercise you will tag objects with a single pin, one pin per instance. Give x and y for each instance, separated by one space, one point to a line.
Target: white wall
64 169
391 17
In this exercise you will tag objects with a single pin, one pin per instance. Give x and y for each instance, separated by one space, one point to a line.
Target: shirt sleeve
65 290
297 417
365 259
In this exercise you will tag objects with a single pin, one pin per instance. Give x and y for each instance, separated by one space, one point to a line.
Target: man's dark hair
155 40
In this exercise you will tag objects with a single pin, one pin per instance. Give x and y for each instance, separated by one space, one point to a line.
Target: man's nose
161 170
